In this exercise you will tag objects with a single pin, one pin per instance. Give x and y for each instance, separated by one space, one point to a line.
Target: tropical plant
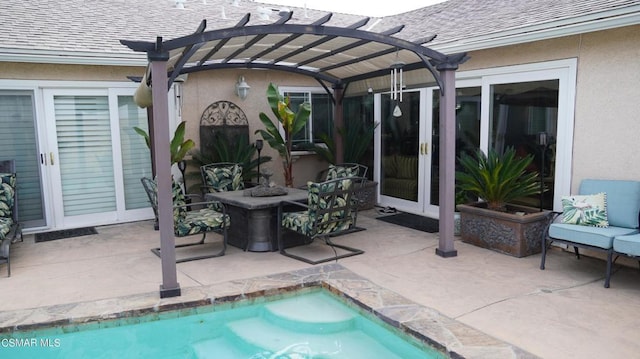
356 138
291 123
497 178
222 149
179 147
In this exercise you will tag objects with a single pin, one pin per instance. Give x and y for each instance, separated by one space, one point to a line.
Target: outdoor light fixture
397 83
242 88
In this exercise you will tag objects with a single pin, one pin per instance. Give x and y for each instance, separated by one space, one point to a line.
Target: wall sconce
242 88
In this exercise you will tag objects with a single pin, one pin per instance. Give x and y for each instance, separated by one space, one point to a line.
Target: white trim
542 31
71 57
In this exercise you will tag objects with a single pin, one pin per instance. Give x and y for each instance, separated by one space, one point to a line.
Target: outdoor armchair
10 229
221 177
188 221
328 212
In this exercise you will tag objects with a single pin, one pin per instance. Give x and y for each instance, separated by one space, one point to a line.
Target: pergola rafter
334 56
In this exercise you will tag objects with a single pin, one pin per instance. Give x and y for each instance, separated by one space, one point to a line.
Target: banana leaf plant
179 147
497 178
290 122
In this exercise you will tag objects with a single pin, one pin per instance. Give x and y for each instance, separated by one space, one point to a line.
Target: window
321 119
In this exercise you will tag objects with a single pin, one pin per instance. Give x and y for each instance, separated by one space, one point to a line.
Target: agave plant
497 179
291 122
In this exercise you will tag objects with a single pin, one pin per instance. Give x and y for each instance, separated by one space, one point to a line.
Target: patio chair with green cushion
190 222
10 229
343 170
326 214
221 177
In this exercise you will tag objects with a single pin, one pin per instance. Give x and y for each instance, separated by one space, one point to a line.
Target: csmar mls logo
29 342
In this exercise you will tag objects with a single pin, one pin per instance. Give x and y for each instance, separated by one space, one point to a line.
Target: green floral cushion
5 226
222 179
585 210
311 222
204 220
7 192
336 172
190 222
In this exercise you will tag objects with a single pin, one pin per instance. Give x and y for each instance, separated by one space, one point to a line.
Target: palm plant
497 179
222 149
356 138
291 123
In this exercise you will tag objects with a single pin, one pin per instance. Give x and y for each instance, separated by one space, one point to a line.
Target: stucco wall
204 88
29 71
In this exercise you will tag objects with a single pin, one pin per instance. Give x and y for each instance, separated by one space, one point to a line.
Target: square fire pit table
254 219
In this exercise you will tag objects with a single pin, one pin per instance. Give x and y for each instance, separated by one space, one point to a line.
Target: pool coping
455 339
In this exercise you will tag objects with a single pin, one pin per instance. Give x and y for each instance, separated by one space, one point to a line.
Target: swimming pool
311 323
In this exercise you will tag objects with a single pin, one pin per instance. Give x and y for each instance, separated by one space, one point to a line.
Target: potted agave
493 222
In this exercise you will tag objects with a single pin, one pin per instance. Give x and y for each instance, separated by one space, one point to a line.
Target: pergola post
338 122
447 131
162 161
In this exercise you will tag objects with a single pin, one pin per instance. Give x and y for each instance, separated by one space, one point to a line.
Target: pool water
311 325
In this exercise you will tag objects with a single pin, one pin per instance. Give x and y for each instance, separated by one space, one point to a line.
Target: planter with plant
493 222
290 122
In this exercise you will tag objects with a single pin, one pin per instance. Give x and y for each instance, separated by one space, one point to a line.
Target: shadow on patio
561 312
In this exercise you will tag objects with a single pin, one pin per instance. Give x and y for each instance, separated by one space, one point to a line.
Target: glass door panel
136 159
468 116
520 113
85 159
400 167
18 142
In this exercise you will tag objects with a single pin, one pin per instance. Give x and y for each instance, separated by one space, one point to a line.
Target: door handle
51 158
426 148
422 149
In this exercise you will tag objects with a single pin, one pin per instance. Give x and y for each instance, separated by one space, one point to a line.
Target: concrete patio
561 312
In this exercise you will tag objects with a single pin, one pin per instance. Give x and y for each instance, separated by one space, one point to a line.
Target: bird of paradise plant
291 123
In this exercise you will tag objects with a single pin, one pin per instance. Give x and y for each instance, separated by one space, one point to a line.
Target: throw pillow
585 210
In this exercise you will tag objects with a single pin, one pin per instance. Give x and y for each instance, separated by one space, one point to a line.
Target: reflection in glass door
400 165
468 100
520 113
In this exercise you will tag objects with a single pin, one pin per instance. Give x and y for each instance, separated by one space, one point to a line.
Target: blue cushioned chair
327 213
623 210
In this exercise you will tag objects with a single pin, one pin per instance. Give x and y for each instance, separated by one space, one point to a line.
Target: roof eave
539 32
72 57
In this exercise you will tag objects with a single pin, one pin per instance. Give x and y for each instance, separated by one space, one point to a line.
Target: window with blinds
85 153
18 142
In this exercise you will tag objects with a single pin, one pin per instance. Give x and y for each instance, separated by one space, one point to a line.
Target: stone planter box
517 232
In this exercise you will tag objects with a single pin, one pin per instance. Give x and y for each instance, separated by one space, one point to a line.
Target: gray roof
94 27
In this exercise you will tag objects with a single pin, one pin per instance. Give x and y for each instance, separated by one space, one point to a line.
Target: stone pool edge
445 334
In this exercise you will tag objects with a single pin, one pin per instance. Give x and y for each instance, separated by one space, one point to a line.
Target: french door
403 157
94 158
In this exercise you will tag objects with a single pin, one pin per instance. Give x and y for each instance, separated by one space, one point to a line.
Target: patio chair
188 222
602 216
221 177
328 212
343 170
10 229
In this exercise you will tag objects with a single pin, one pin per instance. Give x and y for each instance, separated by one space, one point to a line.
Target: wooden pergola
336 57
